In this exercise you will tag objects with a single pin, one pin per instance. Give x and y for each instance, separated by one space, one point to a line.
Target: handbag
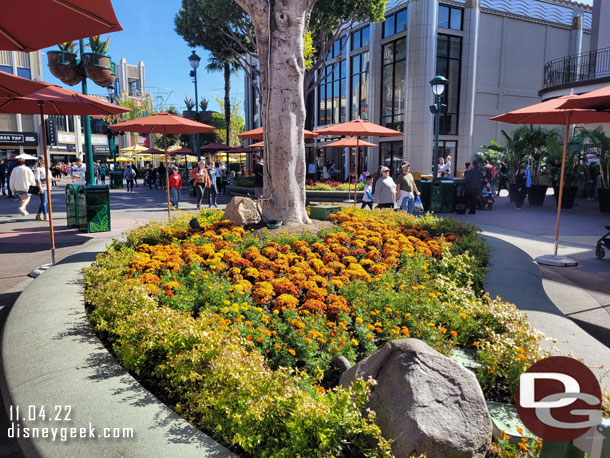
34 190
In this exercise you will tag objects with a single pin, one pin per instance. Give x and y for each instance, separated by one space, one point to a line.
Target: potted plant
190 104
599 142
535 147
511 154
97 63
63 64
573 173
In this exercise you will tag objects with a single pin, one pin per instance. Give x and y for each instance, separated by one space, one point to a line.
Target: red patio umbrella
552 112
163 123
54 100
51 22
358 128
595 100
216 147
257 145
257 134
15 86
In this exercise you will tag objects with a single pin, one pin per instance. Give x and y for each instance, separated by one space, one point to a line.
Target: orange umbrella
257 134
54 100
53 22
163 123
358 128
552 112
257 145
348 142
14 86
595 100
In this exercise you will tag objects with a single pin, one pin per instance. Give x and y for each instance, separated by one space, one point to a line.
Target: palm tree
228 65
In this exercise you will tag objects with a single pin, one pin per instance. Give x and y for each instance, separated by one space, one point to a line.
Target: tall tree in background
237 124
227 64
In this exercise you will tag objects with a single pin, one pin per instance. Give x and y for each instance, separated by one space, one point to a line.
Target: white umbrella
27 157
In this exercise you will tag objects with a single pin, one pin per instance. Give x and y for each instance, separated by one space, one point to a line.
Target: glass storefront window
449 148
332 94
395 23
448 64
390 155
450 17
393 84
360 86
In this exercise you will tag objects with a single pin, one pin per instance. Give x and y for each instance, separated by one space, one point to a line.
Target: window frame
393 65
448 59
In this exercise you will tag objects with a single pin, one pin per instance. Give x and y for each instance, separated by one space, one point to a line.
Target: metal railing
578 68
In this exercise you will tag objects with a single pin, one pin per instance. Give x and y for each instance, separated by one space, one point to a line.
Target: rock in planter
242 211
425 403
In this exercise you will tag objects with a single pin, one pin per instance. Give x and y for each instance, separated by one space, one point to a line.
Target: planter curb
51 357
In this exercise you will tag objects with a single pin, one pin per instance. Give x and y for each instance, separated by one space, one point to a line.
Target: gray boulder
242 211
425 402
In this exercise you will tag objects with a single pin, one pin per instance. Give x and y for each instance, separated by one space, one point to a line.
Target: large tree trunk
280 26
227 71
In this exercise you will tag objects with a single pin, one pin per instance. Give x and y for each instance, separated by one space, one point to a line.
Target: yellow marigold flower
331 324
462 314
278 346
308 340
292 352
355 342
370 336
358 320
276 312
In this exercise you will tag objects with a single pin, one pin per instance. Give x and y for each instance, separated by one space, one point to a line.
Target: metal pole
196 142
47 173
90 175
356 171
437 115
563 167
169 215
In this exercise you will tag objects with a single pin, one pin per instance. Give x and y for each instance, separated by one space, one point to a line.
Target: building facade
20 133
493 53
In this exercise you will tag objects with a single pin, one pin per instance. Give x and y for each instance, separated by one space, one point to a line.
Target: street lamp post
111 134
194 61
438 84
90 172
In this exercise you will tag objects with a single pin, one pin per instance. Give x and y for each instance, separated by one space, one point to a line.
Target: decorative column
375 95
470 43
421 68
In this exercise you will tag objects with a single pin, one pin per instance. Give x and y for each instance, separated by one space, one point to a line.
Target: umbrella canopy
151 151
134 149
257 145
162 123
348 143
53 22
181 151
552 112
215 147
257 134
58 101
27 157
595 100
124 159
240 150
15 86
359 128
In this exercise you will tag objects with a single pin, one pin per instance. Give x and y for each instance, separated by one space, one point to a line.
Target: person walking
218 176
520 184
129 174
135 175
20 181
201 181
212 189
472 187
41 175
406 190
103 169
175 185
367 198
385 190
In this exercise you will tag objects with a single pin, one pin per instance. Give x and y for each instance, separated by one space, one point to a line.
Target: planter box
569 195
322 212
604 200
536 194
317 196
63 66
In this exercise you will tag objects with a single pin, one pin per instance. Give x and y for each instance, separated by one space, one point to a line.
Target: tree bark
227 72
280 26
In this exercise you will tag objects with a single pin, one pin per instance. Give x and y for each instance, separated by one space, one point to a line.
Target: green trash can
116 180
448 190
93 208
71 205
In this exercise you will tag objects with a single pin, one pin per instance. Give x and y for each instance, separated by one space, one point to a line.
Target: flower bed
238 332
329 185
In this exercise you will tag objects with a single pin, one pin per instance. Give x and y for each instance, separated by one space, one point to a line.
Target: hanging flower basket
110 81
97 67
64 67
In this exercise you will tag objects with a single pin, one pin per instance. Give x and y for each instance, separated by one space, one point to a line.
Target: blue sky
148 35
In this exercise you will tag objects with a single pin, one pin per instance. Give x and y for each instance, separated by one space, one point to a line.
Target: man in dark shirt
472 187
2 176
258 178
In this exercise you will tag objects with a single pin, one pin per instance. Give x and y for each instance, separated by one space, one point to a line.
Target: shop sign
19 138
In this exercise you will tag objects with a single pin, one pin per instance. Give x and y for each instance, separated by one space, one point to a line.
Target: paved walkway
571 305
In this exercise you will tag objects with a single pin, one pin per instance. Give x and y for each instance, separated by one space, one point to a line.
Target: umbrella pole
48 179
356 172
563 167
169 214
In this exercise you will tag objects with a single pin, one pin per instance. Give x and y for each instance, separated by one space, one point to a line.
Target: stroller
604 241
486 201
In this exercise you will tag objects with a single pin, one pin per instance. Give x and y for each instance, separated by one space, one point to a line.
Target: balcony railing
576 69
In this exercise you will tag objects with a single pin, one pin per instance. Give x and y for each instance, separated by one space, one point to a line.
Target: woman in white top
40 175
21 180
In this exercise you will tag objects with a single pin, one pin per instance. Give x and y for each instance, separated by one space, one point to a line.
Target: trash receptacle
71 205
448 190
424 188
93 208
116 180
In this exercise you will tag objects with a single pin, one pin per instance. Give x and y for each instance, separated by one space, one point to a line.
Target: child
175 184
367 199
